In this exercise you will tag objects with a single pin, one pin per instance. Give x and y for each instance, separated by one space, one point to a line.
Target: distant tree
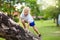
52 12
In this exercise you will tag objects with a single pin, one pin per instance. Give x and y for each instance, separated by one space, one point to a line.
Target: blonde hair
25 9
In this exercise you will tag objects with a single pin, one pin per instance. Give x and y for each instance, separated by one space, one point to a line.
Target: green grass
48 29
2 39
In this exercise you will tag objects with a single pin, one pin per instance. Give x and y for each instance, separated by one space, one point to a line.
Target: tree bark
57 21
12 31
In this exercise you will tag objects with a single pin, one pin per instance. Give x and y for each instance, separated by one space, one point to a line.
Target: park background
45 12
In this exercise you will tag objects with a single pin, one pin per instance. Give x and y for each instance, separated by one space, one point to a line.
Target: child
27 18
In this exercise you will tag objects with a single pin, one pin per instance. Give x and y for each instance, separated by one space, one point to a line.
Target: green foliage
6 7
51 12
16 19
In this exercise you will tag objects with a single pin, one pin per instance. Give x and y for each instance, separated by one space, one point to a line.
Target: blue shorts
32 24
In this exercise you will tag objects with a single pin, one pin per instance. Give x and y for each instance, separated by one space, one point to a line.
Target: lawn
48 29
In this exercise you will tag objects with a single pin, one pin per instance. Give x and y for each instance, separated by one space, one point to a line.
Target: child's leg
32 24
36 30
23 22
24 25
28 26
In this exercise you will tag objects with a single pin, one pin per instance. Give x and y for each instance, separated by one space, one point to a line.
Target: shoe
39 35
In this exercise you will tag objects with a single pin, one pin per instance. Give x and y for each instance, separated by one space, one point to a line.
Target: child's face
26 11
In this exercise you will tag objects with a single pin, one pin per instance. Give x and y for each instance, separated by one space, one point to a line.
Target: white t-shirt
27 18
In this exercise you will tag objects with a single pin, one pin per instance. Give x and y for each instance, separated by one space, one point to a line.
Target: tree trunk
13 35
54 20
12 31
57 21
